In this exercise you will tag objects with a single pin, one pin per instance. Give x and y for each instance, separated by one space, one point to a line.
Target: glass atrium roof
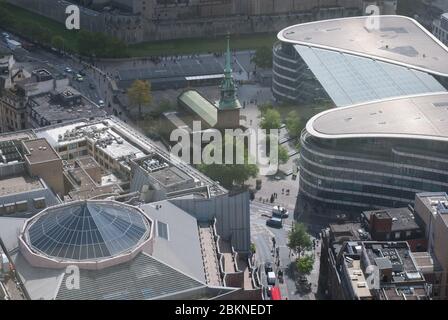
350 79
88 231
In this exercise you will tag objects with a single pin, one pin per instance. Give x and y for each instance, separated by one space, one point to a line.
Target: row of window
392 168
371 201
367 176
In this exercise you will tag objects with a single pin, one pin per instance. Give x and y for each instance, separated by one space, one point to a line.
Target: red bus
275 293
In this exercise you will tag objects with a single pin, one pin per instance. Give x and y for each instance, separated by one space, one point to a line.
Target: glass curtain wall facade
354 174
292 79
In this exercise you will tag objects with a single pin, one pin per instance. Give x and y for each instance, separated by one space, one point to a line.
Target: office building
355 60
374 155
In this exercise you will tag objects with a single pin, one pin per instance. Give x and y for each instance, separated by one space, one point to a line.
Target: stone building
136 21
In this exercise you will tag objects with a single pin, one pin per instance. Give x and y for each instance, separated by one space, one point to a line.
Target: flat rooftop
54 111
358 280
348 232
432 199
418 117
405 293
18 184
39 150
398 39
402 218
170 176
126 141
400 257
87 162
426 263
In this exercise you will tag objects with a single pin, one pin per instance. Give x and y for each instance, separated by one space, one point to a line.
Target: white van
280 212
271 278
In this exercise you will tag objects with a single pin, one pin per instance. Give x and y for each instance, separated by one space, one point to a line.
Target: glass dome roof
87 230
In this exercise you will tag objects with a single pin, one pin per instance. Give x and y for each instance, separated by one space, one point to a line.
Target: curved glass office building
374 155
354 60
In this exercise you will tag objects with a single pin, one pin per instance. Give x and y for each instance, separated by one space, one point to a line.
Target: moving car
280 212
268 267
274 222
271 278
13 44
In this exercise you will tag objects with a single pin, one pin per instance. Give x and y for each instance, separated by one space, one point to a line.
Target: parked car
5 35
101 103
271 278
68 70
79 78
280 212
92 86
81 72
274 222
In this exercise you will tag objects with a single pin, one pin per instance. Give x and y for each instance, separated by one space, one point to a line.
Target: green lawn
171 47
202 45
22 16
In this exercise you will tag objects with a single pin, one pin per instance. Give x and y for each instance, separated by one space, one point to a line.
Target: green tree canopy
271 119
6 17
139 94
305 264
283 156
230 174
293 124
95 44
263 57
163 106
298 239
58 42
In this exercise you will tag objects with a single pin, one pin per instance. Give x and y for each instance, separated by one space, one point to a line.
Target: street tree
293 124
298 239
95 44
163 106
305 264
263 58
283 156
139 94
58 42
271 120
230 174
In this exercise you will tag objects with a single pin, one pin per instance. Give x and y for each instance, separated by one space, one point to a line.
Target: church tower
228 88
228 105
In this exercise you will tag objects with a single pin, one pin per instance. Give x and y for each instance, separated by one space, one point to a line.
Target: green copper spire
228 69
228 88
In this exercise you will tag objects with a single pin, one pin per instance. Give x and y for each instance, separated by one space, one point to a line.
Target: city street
96 86
262 238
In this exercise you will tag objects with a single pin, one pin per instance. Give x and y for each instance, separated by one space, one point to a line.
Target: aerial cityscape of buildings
96 205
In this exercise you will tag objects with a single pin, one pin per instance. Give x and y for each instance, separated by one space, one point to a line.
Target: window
397 235
408 233
162 230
